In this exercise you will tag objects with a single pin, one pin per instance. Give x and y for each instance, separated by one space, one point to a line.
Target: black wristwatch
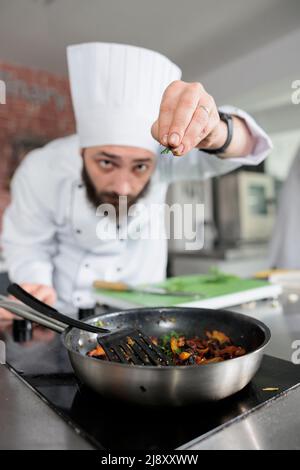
227 118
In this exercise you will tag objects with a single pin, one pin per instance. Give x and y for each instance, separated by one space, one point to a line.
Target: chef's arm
242 141
28 230
250 144
189 118
198 165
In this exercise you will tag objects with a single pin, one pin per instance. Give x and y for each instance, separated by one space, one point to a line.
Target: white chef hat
116 91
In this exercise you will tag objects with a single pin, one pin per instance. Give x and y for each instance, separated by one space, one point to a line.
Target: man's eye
141 168
105 164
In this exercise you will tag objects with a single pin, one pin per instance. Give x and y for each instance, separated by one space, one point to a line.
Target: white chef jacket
49 229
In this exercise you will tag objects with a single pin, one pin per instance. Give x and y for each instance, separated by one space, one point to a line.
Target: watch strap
227 118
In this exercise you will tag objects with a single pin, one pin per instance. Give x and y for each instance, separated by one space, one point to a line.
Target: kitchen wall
37 110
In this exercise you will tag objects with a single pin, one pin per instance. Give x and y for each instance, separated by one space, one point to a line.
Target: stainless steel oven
245 207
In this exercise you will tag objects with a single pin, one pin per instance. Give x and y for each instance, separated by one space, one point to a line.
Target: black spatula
128 346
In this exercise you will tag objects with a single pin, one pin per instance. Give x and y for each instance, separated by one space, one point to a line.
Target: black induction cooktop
43 364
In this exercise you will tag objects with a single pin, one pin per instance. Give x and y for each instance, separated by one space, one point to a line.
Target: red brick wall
37 109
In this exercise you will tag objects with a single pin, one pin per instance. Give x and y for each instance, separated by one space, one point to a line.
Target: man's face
112 171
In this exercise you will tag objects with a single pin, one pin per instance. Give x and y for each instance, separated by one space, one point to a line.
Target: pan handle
50 312
28 314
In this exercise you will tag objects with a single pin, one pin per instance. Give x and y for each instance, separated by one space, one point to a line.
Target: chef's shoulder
48 173
57 159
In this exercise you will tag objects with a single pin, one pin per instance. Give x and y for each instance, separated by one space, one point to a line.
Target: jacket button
78 231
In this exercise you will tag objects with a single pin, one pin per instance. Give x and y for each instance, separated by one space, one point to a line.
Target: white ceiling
198 35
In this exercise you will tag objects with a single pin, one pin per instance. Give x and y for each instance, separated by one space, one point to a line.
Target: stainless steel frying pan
172 385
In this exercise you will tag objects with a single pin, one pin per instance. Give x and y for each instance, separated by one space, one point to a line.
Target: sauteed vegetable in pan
214 347
245 337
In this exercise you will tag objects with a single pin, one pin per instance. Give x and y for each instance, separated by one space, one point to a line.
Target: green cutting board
203 284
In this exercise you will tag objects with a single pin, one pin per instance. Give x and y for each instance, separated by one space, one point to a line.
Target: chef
128 102
284 247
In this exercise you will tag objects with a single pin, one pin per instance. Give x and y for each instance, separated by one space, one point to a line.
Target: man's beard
96 198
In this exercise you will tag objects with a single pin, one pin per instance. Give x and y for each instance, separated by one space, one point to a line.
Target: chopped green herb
165 342
167 337
175 285
215 276
165 150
